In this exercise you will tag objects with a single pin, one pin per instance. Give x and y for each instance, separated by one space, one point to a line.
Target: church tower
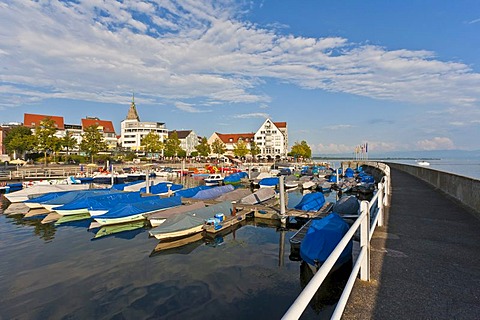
132 112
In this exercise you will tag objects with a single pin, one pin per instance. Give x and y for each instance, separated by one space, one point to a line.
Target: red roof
32 120
280 124
234 137
107 125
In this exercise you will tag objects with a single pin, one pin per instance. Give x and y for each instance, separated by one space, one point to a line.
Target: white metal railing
374 208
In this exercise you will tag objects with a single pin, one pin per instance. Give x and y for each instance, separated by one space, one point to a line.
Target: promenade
425 259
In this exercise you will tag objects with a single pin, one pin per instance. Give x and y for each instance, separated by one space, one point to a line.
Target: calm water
464 167
61 272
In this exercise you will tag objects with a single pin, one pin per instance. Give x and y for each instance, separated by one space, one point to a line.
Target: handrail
362 264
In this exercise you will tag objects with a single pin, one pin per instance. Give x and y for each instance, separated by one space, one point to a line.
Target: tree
18 140
301 149
172 145
69 142
240 149
203 148
92 141
56 146
45 140
151 143
218 147
254 149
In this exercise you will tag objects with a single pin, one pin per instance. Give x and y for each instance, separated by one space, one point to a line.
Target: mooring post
283 217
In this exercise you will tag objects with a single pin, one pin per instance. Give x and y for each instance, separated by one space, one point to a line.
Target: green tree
18 140
218 147
69 143
203 148
172 145
56 146
92 141
254 149
45 140
240 149
302 150
151 143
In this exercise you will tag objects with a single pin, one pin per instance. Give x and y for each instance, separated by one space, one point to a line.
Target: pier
425 260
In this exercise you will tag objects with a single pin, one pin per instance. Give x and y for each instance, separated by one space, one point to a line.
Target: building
106 129
33 120
132 130
188 140
272 139
230 140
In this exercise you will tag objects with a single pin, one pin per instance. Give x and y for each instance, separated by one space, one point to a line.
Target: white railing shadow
374 208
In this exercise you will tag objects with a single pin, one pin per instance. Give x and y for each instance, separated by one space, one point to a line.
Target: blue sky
402 75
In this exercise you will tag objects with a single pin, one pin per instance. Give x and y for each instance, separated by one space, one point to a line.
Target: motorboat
215 179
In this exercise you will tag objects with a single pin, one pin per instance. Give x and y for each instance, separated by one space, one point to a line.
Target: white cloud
436 143
339 127
188 107
251 115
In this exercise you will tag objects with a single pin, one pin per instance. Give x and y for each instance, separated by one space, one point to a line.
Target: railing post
381 193
364 241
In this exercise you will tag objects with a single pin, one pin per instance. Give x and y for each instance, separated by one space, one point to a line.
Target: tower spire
132 112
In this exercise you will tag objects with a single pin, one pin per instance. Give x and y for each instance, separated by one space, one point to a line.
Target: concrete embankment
464 189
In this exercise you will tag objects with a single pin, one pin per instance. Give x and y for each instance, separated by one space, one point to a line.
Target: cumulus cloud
200 50
436 143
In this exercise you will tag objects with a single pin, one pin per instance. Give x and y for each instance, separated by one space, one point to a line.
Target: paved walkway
425 260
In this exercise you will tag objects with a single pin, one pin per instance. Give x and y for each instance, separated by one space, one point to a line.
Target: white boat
309 185
214 179
158 218
38 190
423 163
259 196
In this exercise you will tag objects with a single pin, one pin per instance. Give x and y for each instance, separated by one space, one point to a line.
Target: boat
235 178
423 163
321 238
157 218
291 182
163 188
271 182
214 179
38 190
325 186
190 222
234 196
183 245
128 212
259 196
190 192
70 196
311 202
347 205
213 193
309 185
108 178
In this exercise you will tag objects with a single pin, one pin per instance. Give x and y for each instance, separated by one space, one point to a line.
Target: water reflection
43 231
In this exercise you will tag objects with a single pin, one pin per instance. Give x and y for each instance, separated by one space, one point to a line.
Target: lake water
62 272
464 167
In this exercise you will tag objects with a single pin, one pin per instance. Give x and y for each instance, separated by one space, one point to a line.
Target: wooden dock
235 218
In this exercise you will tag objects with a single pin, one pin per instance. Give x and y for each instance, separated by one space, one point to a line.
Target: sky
400 75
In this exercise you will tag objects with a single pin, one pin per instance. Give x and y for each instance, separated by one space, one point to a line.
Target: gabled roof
182 134
107 125
280 124
32 120
234 137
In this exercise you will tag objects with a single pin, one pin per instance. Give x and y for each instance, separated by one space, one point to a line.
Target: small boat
190 192
157 218
190 222
128 212
234 196
163 188
183 245
213 193
235 178
214 179
64 198
271 182
423 163
311 202
321 238
309 185
259 196
347 205
38 190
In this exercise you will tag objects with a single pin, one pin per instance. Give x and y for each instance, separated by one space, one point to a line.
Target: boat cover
129 209
104 201
234 195
163 187
213 192
121 186
322 237
192 218
269 182
235 177
311 202
349 173
170 212
190 192
74 195
46 196
346 205
259 196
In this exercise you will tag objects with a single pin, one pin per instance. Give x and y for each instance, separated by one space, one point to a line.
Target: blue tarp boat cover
322 237
235 177
332 178
213 192
367 178
311 202
346 205
121 186
349 173
74 195
104 201
129 209
47 196
190 192
269 182
163 187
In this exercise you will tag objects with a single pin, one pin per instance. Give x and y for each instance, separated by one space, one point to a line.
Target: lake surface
62 272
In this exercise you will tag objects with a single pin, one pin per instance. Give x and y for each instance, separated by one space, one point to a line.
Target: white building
230 140
132 130
188 140
272 139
